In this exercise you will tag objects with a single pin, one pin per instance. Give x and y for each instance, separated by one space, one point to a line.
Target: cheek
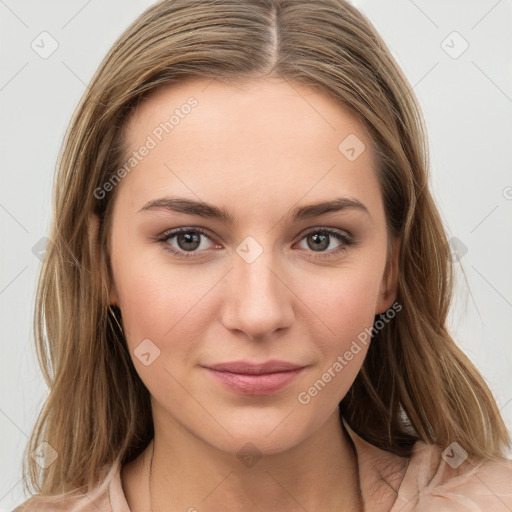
346 303
344 311
347 306
167 304
151 303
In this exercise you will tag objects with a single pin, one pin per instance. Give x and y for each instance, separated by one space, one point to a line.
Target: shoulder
97 498
438 479
432 479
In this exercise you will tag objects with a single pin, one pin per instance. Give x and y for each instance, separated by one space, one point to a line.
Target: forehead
260 140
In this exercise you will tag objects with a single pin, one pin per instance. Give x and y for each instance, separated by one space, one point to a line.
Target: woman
244 303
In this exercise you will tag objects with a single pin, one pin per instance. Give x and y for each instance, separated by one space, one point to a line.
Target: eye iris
190 237
320 241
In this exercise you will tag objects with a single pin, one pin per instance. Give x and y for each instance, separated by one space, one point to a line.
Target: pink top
425 482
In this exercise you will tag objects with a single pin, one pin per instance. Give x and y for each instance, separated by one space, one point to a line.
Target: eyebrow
202 209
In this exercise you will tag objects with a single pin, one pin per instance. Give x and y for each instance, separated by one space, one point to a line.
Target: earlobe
389 283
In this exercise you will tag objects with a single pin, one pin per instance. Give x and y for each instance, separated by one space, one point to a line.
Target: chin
262 431
256 443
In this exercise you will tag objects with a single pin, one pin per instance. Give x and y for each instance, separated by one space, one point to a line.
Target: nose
258 298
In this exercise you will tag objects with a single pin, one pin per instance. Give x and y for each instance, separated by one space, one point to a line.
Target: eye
188 241
319 240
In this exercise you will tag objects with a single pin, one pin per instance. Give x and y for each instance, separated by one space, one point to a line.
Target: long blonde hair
415 382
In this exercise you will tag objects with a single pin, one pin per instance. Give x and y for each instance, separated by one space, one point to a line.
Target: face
241 302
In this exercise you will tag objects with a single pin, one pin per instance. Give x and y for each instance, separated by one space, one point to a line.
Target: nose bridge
257 302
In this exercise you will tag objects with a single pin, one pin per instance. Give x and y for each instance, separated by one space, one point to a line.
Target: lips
248 378
244 367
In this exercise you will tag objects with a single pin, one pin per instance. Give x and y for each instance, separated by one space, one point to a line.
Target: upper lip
246 367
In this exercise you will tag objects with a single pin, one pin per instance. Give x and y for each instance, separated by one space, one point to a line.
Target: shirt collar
380 472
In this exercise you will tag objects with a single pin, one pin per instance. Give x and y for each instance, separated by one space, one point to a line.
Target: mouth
255 379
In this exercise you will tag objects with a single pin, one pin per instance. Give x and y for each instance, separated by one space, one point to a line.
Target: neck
184 473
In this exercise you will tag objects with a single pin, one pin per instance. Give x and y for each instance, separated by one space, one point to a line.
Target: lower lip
262 384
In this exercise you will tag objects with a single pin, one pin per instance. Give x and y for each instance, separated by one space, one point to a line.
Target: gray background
466 98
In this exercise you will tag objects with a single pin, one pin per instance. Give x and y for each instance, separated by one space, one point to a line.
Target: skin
259 149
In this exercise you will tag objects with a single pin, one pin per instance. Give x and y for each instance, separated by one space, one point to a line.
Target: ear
389 283
100 259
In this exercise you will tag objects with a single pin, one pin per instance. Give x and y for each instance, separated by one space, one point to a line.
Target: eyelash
345 239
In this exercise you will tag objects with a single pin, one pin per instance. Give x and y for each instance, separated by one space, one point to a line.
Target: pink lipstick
256 379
